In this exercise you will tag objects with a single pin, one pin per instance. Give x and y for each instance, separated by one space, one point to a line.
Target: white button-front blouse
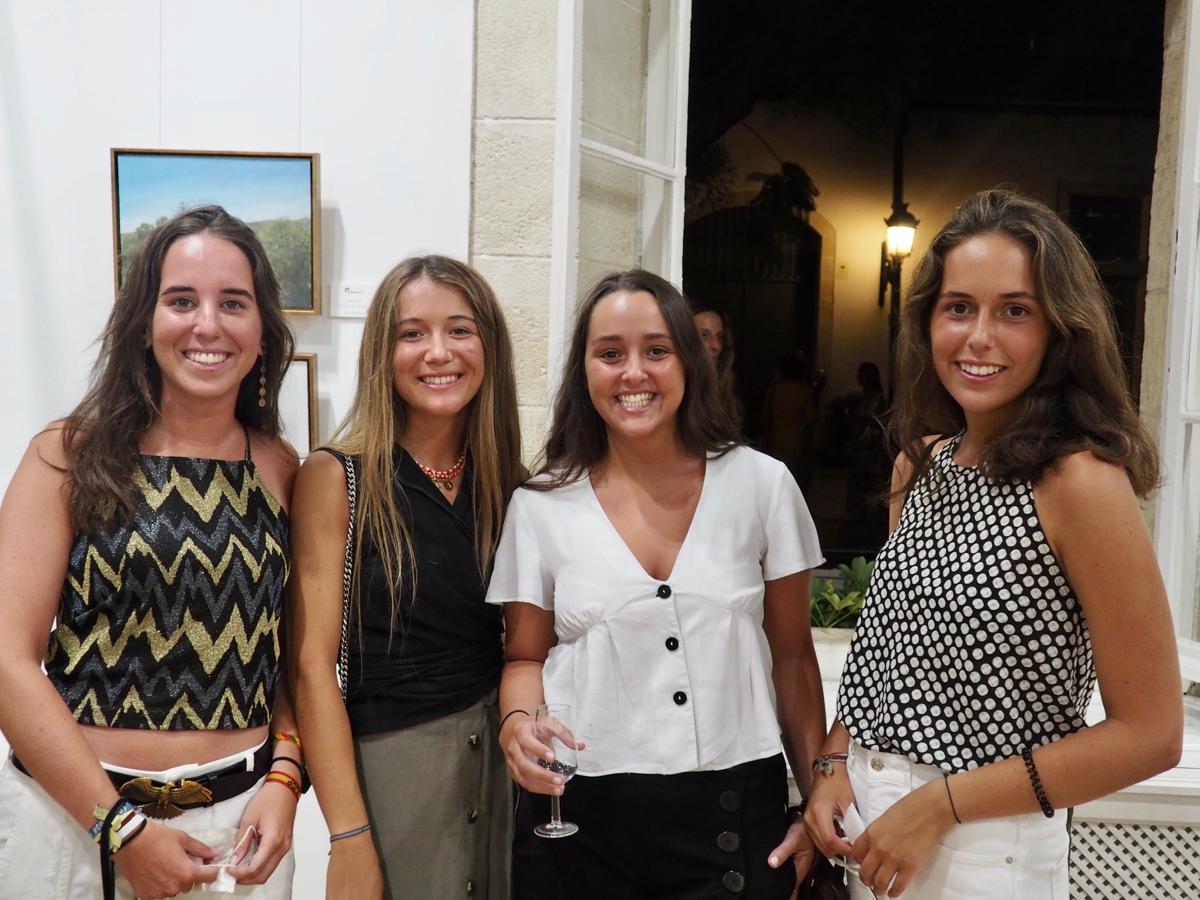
663 676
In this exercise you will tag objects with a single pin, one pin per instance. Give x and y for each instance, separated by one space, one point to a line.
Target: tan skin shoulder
277 462
901 471
47 444
1078 489
320 509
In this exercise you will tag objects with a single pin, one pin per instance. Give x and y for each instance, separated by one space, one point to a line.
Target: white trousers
45 855
1017 858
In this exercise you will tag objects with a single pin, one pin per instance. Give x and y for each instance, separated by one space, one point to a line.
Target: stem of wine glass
555 812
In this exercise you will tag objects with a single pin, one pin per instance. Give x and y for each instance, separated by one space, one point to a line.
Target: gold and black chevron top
173 623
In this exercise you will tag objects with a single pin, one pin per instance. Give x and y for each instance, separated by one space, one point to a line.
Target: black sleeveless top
173 623
971 645
443 651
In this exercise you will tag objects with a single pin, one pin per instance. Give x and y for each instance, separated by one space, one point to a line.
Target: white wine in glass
553 727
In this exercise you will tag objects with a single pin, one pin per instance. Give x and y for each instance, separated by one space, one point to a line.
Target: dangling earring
262 384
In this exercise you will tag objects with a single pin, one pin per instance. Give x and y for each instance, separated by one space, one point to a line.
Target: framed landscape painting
276 194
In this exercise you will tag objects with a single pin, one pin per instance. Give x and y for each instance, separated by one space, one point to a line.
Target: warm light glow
900 240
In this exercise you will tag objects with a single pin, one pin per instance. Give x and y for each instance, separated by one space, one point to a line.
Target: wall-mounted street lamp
901 229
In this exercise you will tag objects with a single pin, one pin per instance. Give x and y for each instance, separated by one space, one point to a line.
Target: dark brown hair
101 434
1079 399
578 437
724 360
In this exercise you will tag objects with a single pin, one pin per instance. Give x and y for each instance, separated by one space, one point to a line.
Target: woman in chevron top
147 534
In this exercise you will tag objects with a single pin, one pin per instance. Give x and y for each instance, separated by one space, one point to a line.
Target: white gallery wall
382 89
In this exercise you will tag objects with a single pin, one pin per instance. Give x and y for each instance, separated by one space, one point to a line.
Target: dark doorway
1059 101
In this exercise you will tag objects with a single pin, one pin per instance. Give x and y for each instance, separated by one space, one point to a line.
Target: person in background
655 577
408 770
717 339
147 535
1019 571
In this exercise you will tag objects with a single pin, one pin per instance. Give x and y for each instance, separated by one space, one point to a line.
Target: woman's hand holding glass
526 749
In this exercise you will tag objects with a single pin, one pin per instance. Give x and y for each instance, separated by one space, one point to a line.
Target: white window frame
666 105
1177 531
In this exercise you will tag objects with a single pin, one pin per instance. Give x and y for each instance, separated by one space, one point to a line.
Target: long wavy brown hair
377 418
1079 400
100 437
578 437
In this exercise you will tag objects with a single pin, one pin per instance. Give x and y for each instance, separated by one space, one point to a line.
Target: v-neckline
591 490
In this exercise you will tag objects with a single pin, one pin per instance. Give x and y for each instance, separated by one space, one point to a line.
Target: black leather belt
165 800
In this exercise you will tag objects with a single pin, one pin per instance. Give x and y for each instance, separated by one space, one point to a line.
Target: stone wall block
522 284
515 47
514 188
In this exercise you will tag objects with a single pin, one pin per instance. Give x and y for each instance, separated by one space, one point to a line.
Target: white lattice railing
1134 861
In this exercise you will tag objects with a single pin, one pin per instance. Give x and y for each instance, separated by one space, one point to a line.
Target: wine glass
552 725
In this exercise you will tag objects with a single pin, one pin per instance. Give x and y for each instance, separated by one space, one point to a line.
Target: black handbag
825 881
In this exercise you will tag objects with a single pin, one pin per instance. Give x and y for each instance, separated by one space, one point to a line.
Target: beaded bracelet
824 764
1036 781
286 780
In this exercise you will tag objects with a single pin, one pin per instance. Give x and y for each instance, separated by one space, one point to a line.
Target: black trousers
692 836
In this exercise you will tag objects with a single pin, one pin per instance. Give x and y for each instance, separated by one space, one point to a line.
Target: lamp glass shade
900 240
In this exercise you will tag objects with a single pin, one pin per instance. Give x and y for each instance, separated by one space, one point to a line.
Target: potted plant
837 602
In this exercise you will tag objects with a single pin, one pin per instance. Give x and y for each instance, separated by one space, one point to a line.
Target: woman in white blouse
656 578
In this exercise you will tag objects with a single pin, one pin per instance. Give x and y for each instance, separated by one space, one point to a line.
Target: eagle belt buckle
165 801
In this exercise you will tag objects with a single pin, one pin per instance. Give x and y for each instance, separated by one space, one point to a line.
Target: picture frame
298 404
276 194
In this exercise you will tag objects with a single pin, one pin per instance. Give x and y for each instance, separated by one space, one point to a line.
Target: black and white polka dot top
971 645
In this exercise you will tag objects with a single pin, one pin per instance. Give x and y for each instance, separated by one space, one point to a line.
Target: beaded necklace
444 478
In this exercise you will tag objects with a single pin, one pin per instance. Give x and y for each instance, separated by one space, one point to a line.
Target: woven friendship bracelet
286 780
823 765
287 736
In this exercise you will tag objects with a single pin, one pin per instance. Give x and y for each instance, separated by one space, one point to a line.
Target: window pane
628 99
624 220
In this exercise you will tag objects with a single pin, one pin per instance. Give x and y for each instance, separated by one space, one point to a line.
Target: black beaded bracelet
1036 781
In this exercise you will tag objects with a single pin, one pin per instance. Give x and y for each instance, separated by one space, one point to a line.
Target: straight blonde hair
377 419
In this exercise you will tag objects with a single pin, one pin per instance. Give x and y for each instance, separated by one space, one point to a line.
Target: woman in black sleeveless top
147 534
1019 572
408 771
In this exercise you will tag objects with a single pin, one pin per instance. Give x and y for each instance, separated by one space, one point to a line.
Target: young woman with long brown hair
407 770
655 577
1019 572
147 535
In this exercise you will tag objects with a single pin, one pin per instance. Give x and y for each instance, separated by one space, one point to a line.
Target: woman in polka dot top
1018 572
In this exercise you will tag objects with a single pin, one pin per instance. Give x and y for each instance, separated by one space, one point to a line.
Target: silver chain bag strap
343 661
